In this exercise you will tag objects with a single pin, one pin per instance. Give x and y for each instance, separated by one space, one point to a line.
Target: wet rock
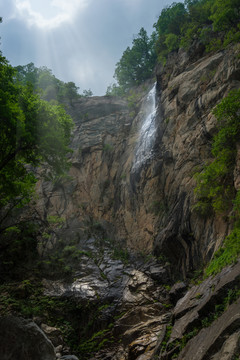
159 274
58 351
201 299
230 348
53 334
140 329
138 315
176 292
210 340
22 339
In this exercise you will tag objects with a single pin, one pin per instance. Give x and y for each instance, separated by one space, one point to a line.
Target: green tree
27 74
114 90
225 14
87 93
168 29
214 190
136 63
33 133
47 85
171 19
172 42
71 91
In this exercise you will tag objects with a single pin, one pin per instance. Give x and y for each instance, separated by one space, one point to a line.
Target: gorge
121 246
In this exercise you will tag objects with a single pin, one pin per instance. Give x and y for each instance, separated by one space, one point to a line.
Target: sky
79 40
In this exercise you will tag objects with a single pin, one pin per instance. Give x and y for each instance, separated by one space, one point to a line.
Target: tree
47 85
171 19
215 23
87 93
225 14
215 190
114 90
33 133
136 63
27 74
172 42
71 91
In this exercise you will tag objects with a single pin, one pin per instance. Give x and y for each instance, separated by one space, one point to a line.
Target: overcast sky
80 40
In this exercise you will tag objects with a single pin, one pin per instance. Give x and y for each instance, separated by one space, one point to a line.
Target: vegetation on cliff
213 23
36 133
33 133
47 85
215 190
137 63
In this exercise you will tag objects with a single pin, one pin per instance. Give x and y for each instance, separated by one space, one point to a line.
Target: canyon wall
148 208
129 195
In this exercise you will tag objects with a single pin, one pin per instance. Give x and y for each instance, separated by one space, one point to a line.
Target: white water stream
147 133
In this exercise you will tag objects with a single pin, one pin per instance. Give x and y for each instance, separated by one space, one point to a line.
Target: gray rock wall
22 339
150 209
188 93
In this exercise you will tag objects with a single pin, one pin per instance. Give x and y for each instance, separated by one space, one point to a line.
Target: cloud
49 15
79 40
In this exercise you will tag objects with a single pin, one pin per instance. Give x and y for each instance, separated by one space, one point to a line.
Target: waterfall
144 148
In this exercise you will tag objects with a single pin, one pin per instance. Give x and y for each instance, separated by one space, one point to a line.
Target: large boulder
22 339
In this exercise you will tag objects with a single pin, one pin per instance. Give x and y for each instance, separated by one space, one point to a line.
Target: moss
215 191
226 255
79 324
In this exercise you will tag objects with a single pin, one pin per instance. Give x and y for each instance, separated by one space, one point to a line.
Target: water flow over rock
147 133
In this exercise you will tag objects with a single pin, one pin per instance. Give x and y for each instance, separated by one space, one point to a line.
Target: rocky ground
131 312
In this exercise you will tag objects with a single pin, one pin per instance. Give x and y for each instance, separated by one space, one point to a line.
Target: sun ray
49 15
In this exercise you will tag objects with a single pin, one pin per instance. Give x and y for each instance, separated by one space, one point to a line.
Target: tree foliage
137 62
33 132
214 23
171 19
214 190
47 85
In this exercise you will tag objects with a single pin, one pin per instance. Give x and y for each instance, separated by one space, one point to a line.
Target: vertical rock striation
112 200
151 207
189 92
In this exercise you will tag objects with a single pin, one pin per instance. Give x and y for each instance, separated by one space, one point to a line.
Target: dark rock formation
216 339
22 340
209 316
189 92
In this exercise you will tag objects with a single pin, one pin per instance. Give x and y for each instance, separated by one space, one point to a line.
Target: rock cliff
149 208
125 223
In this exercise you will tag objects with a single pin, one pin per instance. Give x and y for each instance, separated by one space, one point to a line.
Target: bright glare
49 14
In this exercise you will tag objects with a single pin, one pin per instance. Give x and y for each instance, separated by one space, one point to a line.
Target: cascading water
144 148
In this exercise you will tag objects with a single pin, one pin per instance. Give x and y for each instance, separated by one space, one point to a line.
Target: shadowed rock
22 339
211 339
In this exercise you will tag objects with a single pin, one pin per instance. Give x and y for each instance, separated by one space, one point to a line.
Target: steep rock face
101 188
107 202
23 339
188 93
151 207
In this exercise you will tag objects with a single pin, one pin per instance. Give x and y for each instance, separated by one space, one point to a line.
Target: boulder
201 299
177 291
53 334
216 337
22 339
